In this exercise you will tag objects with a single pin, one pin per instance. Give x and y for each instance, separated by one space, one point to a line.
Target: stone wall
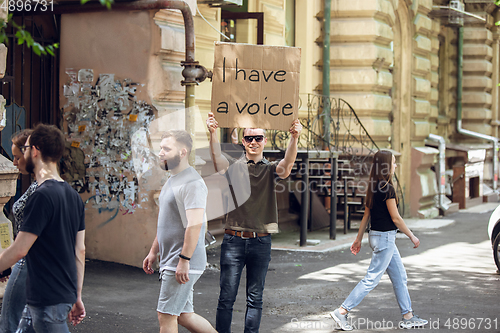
360 60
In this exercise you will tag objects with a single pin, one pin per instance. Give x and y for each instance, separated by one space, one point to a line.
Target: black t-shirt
380 218
55 213
254 186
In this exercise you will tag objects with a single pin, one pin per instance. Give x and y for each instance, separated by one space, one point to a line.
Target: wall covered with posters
105 97
108 160
101 120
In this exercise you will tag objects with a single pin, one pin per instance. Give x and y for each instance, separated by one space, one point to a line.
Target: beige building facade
394 61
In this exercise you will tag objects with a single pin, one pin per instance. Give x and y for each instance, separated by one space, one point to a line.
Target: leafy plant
106 3
22 36
497 2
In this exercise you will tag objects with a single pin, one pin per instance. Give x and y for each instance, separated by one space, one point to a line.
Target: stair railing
347 135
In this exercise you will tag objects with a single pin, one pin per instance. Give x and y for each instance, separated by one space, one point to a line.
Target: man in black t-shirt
52 237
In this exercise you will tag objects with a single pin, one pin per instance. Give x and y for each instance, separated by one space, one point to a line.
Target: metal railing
345 134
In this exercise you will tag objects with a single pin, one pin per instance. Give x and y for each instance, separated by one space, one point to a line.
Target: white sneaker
413 322
341 320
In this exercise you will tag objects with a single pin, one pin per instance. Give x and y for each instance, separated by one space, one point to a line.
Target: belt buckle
242 237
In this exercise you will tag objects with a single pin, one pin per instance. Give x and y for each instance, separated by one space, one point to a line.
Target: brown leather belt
246 234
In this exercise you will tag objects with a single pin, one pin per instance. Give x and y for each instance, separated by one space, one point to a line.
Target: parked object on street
494 234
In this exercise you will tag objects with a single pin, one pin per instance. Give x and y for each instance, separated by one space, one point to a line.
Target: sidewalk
319 240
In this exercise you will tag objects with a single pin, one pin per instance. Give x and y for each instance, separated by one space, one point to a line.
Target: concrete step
471 202
453 208
490 197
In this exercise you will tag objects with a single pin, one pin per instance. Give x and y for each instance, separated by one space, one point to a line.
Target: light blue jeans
385 257
14 298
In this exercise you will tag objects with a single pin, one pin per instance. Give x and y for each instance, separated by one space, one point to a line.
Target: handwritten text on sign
255 85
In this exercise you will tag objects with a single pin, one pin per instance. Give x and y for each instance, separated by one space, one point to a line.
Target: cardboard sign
255 86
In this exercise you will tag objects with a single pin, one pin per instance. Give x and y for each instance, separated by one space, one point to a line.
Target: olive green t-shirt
258 213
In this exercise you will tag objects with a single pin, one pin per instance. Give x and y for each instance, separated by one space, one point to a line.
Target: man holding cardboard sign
248 228
254 87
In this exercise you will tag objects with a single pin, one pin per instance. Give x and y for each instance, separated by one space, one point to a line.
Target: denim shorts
176 298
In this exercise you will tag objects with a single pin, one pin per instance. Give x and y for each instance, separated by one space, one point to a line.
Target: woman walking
14 298
381 206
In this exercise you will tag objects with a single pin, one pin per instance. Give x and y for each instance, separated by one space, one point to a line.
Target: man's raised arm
220 162
285 166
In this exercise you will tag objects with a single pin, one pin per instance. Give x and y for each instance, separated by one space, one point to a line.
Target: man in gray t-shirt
180 236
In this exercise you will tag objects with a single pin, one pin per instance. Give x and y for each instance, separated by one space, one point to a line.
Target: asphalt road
451 277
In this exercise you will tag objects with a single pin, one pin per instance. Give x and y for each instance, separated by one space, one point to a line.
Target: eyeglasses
23 148
250 138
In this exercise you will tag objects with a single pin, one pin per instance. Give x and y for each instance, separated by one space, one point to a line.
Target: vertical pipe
495 165
346 206
442 168
333 198
304 210
190 121
460 130
326 73
495 76
460 58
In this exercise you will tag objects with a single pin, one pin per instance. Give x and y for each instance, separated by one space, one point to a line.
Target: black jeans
237 252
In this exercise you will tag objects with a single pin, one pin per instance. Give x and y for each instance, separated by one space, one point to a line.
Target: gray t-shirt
183 191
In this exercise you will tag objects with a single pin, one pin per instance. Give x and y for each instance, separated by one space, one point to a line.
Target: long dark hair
380 172
19 138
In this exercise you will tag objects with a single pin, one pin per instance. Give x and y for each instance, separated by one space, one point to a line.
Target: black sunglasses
23 148
250 138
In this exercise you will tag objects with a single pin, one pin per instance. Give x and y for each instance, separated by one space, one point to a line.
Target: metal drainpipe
327 115
459 110
442 167
193 73
326 74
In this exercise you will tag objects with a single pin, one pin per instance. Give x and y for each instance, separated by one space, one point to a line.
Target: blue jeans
26 323
385 257
14 298
45 319
236 252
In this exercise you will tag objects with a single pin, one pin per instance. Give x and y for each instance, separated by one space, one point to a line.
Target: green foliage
24 37
497 2
106 3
